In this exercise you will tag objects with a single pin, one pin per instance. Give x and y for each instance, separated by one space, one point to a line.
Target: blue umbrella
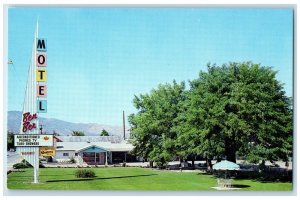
226 165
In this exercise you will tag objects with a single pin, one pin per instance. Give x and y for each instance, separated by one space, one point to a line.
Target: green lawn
130 179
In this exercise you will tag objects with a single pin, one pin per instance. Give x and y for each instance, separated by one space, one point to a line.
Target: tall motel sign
29 142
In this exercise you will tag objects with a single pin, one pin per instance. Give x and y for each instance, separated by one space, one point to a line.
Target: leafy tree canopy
239 108
152 133
233 109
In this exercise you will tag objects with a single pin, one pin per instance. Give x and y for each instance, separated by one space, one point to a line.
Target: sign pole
29 140
35 180
36 155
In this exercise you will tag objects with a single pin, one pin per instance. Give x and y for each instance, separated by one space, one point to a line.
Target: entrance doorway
94 158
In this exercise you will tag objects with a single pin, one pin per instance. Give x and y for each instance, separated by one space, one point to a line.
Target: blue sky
99 58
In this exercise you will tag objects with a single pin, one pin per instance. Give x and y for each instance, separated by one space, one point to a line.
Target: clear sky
99 58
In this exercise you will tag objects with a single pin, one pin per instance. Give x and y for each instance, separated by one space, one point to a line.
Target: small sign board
47 151
33 140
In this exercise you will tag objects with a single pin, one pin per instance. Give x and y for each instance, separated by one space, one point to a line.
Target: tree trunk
230 156
230 150
180 161
151 164
193 162
208 164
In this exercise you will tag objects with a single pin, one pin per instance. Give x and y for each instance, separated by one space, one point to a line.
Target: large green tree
151 131
239 108
233 109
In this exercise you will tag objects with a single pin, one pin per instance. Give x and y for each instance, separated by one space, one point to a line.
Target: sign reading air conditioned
32 140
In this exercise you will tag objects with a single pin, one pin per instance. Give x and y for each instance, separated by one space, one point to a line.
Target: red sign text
27 118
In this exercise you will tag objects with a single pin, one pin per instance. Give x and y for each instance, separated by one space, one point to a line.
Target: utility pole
41 128
124 124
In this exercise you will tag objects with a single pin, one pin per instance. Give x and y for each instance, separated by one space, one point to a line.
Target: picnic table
226 183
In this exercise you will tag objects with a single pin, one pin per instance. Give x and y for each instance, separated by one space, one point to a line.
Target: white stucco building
95 150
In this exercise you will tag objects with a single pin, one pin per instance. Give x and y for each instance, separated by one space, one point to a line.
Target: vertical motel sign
41 75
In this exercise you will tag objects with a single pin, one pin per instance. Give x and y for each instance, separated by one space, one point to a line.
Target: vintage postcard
150 98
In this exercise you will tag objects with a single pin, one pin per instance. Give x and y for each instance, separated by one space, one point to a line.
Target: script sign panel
47 151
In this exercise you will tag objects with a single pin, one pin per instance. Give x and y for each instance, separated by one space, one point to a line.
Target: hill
63 127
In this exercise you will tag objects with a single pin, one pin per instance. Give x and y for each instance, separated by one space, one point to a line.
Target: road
12 158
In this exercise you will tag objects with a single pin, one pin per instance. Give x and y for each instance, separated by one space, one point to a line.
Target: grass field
131 179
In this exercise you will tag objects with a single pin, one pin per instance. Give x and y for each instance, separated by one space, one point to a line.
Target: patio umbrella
226 165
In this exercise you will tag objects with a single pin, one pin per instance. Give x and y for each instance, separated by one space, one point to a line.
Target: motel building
92 150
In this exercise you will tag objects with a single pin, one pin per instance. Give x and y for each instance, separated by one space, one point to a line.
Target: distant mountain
62 127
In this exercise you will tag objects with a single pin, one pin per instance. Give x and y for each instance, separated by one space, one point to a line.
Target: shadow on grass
239 186
269 178
58 175
206 174
266 179
263 180
104 178
30 176
17 171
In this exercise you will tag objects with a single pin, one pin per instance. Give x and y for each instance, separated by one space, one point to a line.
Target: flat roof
108 146
112 139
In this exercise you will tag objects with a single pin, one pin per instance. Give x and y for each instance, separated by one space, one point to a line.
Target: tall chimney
124 124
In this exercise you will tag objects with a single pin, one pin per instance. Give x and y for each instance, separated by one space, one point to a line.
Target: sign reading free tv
33 140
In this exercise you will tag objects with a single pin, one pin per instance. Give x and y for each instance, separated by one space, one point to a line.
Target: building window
65 154
76 154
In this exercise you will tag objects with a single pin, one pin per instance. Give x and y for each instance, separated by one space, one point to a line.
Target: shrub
24 164
21 166
84 173
161 165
